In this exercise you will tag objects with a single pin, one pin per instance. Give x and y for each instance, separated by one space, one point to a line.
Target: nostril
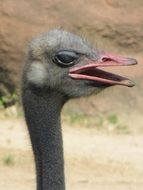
104 59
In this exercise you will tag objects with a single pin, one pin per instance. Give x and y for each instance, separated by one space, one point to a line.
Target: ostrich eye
65 58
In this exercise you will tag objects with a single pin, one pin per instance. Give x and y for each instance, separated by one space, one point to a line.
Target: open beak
91 70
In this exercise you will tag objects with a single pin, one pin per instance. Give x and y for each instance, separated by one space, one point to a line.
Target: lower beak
91 70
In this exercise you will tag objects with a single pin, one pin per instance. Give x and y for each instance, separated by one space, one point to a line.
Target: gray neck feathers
42 112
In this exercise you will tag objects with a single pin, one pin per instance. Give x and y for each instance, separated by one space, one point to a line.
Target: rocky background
112 25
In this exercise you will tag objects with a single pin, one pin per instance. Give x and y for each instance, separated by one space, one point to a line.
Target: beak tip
130 83
133 61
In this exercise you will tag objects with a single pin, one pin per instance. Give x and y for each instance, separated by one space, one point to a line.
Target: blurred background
105 131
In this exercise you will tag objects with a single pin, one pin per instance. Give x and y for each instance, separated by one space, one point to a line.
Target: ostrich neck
42 112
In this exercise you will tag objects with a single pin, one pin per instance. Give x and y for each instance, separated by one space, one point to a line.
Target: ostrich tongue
91 70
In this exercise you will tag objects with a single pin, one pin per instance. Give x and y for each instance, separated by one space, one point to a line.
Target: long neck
42 114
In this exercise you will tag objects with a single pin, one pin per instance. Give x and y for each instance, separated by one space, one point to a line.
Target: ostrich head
65 63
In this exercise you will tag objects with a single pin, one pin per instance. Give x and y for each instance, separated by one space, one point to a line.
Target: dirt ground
93 160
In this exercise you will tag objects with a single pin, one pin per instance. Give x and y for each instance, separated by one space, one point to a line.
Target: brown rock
115 24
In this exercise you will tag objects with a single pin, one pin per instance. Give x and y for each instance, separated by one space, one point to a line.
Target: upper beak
91 72
114 60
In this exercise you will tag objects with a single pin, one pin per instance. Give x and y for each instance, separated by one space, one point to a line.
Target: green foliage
6 101
99 122
74 118
83 120
112 118
108 122
8 160
122 128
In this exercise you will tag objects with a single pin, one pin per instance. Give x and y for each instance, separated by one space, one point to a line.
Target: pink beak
91 72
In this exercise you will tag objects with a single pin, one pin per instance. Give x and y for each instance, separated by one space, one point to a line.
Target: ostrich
59 66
